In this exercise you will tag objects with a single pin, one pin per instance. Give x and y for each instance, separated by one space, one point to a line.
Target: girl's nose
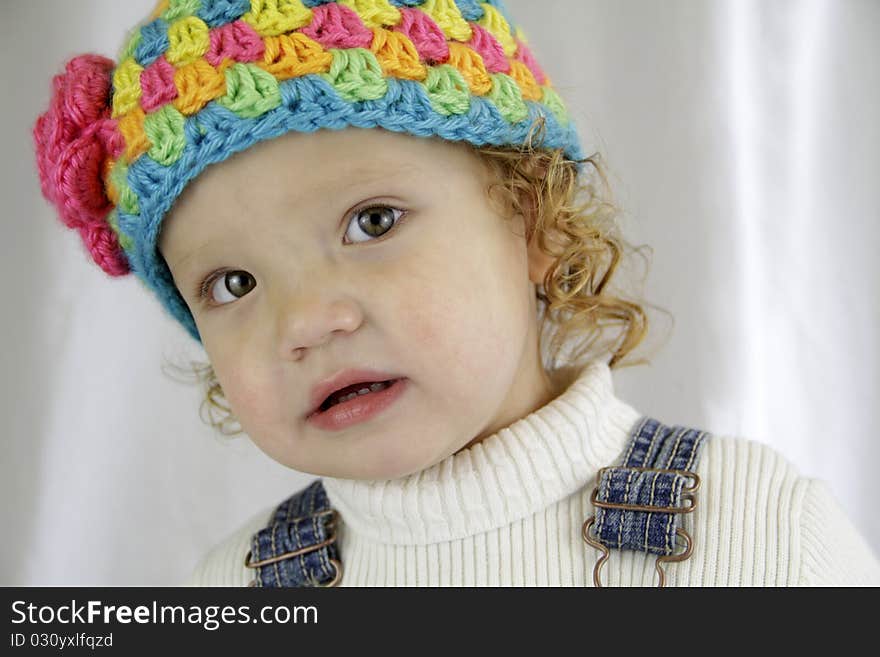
313 321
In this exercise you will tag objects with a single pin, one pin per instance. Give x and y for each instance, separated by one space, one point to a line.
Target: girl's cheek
246 397
425 318
417 301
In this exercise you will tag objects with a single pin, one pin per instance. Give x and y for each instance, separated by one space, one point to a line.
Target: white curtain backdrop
744 147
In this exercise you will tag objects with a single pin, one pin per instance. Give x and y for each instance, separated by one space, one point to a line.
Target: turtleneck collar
518 471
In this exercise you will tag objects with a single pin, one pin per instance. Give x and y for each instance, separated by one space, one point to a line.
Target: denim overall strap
639 503
298 548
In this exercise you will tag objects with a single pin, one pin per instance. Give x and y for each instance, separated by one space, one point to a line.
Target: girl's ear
539 262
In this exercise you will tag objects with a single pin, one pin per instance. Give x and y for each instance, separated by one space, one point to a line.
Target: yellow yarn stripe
127 87
447 15
189 39
276 17
374 13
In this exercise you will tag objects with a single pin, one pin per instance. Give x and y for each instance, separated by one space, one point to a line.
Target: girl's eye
373 222
236 283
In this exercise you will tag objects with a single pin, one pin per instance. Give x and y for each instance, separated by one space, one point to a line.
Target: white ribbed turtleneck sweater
509 511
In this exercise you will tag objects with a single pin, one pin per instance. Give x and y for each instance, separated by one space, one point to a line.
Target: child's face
444 297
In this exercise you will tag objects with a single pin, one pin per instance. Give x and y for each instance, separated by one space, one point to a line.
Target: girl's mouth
357 403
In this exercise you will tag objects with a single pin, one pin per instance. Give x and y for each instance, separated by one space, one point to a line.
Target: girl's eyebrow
351 179
190 257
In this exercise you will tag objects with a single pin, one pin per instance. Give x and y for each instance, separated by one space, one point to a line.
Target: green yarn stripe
164 129
356 75
250 91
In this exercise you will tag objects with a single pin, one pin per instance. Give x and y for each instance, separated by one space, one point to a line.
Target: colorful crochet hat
204 79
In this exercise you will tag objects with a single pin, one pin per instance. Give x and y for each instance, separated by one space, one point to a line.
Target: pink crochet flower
76 140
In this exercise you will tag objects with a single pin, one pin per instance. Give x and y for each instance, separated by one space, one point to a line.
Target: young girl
366 212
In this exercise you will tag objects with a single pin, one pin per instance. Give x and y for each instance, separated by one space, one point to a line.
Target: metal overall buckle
337 565
688 494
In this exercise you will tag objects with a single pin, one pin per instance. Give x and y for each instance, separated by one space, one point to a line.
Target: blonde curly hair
572 216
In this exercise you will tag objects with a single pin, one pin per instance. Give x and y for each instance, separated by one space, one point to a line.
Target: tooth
374 387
